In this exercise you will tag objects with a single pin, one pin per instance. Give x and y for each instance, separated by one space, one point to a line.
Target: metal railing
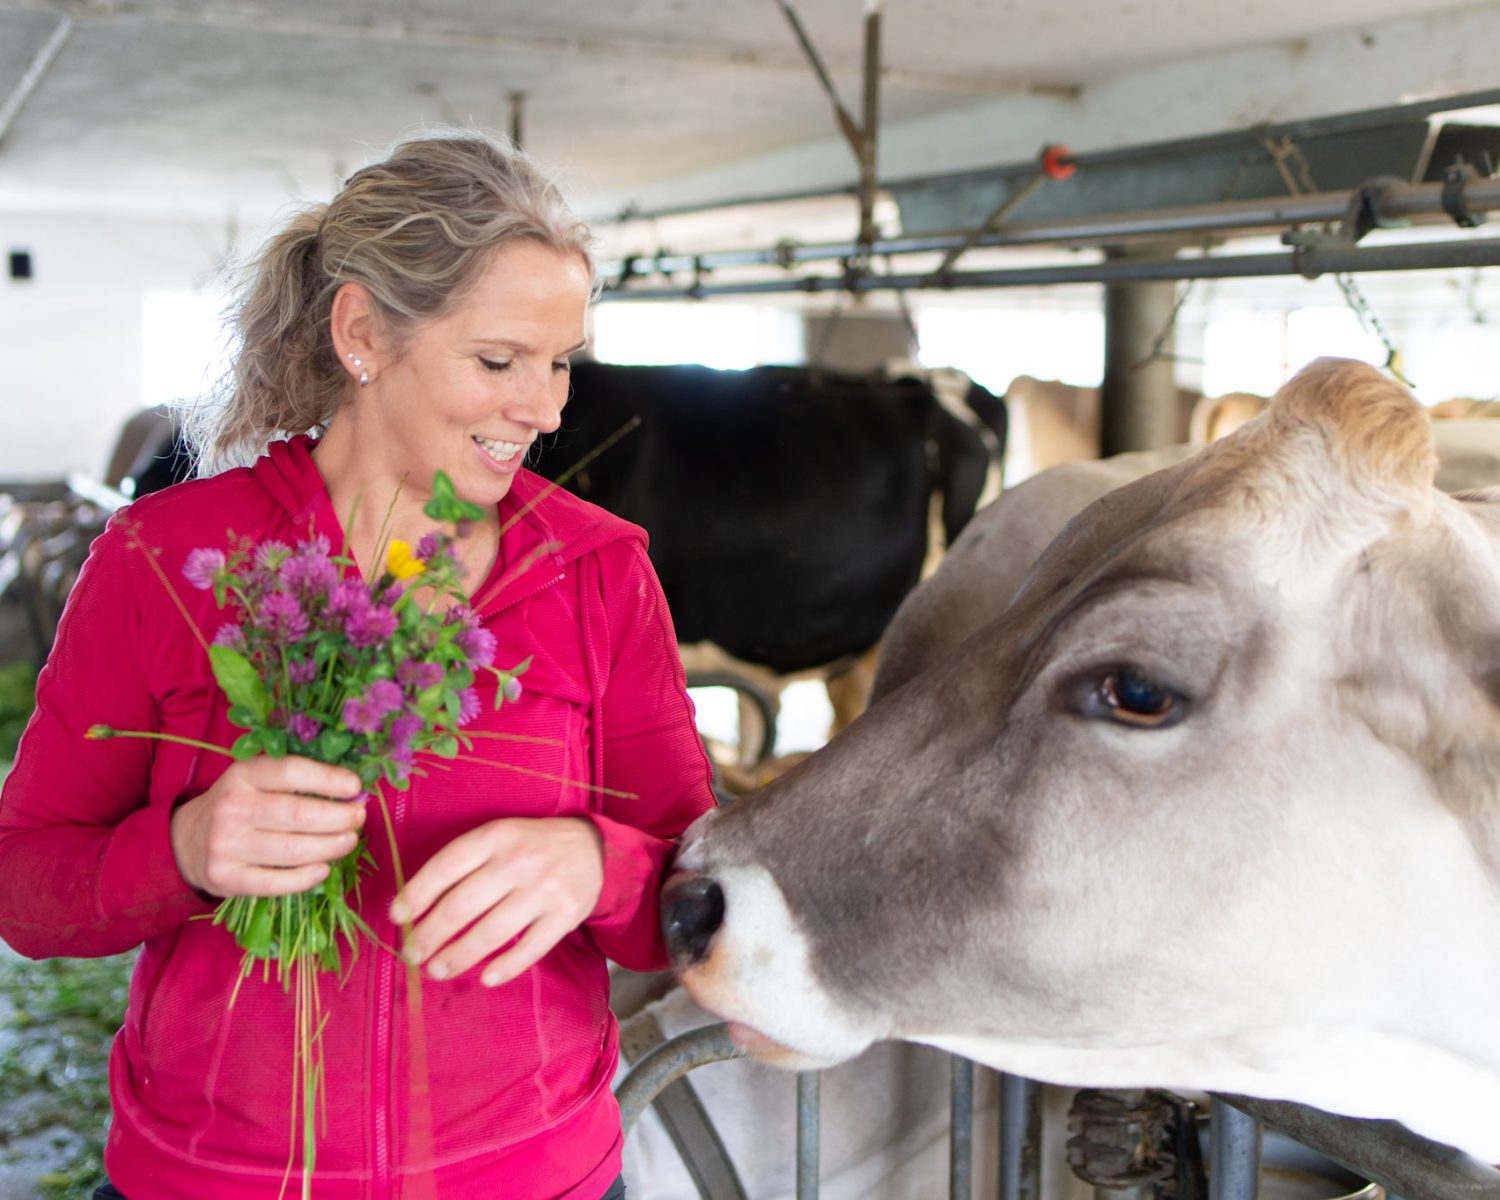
1407 1166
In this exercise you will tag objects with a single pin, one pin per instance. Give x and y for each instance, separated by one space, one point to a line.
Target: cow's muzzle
692 909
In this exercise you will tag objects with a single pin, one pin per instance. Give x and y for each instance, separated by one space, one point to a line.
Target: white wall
71 337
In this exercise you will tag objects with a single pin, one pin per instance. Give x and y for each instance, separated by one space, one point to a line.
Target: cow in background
1054 423
788 508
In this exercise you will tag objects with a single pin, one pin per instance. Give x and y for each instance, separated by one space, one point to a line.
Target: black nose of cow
692 909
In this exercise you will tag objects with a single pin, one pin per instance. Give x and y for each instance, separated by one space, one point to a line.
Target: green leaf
446 746
274 741
521 667
239 680
445 504
333 744
256 939
247 745
241 716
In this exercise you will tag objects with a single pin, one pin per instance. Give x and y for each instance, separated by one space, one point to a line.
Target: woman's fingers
498 926
528 950
274 881
260 848
456 861
293 774
305 814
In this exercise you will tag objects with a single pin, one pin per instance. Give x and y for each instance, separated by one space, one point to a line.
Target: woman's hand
267 827
530 880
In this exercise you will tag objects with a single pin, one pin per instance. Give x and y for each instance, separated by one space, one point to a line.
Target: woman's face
473 388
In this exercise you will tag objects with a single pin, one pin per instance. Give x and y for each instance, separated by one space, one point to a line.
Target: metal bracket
1366 211
1455 177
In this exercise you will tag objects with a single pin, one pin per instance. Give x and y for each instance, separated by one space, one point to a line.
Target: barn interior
1125 207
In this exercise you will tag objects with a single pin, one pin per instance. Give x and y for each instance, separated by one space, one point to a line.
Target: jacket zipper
385 1000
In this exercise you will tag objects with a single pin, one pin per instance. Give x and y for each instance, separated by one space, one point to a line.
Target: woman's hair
416 230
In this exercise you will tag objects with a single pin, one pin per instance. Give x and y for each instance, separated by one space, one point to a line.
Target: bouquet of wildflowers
363 674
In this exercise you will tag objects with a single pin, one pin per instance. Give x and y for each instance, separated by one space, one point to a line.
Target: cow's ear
1369 424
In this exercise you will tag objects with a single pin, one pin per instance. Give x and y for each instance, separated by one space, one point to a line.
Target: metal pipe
1383 1152
809 1086
1137 400
1310 263
1408 200
870 130
847 127
960 1128
1020 1139
517 106
1308 127
668 1063
1234 1153
41 63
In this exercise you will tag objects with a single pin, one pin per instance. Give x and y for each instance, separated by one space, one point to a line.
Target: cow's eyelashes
1126 696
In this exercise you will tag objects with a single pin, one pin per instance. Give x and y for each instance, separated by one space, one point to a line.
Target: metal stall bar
961 1128
35 72
668 1063
809 1097
1020 1138
1234 1153
1230 216
1310 263
1384 1152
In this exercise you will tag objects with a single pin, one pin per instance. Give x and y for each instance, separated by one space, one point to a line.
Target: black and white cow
788 508
1212 805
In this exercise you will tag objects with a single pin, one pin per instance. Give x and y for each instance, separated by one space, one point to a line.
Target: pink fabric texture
519 1075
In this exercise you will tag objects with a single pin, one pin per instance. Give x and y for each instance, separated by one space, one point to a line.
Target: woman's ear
354 325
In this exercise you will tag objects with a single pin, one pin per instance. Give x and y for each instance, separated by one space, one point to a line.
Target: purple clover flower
468 705
478 643
203 566
418 675
282 617
309 569
348 597
426 547
367 626
230 635
510 688
403 729
303 727
270 554
367 713
302 670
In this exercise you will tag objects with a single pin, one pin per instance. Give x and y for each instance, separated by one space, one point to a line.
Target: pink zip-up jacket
518 1098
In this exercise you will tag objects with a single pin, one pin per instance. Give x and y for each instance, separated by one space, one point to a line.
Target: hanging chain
1286 155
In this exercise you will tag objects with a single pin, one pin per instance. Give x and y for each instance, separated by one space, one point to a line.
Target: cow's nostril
692 911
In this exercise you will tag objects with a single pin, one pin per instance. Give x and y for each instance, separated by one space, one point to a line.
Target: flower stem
159 737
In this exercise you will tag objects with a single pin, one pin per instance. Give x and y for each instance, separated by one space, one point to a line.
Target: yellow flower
401 562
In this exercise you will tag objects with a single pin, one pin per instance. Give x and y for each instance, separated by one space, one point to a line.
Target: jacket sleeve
86 863
654 766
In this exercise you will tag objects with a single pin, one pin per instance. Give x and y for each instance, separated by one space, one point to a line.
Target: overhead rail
1248 138
1391 203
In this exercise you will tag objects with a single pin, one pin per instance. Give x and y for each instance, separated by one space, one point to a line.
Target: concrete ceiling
181 106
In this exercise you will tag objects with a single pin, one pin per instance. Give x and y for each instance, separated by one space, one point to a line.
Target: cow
787 508
1211 805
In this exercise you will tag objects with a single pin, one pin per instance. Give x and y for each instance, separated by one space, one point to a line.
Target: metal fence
1406 1166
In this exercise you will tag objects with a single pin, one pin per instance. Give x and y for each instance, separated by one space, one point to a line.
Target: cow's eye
1131 698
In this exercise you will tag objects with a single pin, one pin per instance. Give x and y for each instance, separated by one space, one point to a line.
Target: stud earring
364 374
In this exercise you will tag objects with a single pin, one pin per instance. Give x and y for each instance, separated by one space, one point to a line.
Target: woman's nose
539 402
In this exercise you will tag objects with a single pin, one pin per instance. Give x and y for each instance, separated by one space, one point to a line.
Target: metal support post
808 1088
961 1129
1234 1153
1138 405
1020 1139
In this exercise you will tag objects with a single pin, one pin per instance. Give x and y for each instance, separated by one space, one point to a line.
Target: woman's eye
564 367
1131 698
491 364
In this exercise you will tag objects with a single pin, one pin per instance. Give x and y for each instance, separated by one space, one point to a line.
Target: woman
422 320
